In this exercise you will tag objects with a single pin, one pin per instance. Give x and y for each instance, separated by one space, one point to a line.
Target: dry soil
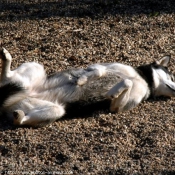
61 34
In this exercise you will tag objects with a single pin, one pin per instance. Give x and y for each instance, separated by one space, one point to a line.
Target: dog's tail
11 93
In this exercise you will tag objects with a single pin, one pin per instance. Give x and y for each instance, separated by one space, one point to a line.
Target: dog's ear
164 61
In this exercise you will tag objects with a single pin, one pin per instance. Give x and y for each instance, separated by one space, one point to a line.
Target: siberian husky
29 97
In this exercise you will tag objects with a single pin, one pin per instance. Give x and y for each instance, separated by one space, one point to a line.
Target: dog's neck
146 73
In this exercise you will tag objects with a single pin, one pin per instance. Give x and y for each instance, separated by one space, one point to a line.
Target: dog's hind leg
93 72
119 94
6 63
38 116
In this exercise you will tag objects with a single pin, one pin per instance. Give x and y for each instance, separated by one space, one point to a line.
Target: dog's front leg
119 95
93 72
6 63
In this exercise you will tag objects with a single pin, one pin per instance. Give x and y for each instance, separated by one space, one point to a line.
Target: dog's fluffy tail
10 93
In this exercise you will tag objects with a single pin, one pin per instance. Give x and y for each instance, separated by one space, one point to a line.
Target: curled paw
18 116
82 80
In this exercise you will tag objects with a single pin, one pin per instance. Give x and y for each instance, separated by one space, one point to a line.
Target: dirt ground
75 33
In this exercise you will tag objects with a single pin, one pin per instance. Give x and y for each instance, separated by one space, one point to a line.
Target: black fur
80 108
8 90
146 72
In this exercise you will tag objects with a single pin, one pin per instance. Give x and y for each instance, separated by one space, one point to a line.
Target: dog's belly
62 89
95 90
91 96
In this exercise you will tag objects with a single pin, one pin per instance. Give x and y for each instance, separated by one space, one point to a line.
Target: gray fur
42 99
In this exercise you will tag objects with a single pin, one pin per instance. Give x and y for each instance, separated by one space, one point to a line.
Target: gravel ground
75 33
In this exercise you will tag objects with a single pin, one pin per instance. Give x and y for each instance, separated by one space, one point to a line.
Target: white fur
162 79
44 99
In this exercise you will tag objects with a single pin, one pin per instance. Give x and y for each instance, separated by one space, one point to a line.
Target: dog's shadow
156 99
5 124
75 111
81 110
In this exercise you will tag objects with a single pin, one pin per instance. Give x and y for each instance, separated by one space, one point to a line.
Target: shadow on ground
75 111
12 10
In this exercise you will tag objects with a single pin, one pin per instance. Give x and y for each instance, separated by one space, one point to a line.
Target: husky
28 96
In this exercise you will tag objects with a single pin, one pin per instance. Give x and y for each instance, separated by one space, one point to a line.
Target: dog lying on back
29 97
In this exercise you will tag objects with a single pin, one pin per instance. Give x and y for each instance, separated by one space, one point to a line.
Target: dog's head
164 80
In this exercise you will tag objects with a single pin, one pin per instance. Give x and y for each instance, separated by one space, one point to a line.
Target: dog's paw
82 80
101 72
18 116
4 54
113 93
